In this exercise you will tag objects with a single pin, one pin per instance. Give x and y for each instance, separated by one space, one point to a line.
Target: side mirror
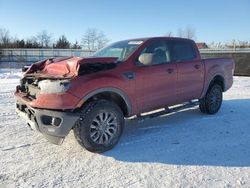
146 58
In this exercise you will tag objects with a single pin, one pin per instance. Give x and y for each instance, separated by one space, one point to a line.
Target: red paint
153 86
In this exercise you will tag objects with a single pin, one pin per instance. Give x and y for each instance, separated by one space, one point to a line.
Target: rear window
183 51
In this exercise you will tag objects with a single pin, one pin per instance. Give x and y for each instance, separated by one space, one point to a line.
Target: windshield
120 49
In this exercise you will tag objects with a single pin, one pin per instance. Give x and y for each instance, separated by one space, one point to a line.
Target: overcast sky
213 20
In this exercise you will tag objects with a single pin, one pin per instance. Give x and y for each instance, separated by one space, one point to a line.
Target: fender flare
117 91
210 81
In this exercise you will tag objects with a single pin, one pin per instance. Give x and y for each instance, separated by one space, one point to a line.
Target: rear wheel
100 126
211 103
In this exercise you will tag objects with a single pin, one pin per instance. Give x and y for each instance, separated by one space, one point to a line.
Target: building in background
201 45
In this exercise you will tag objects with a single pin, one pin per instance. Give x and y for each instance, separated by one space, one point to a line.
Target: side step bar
167 110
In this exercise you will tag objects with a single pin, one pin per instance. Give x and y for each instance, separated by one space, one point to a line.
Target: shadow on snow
189 137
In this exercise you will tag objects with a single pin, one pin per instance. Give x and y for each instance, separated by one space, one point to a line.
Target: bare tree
44 39
76 45
93 39
212 45
4 38
237 44
216 45
180 32
169 34
188 32
32 43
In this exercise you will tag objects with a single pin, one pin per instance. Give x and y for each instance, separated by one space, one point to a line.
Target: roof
158 37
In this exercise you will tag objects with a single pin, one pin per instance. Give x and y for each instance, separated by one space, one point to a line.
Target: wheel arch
218 79
112 94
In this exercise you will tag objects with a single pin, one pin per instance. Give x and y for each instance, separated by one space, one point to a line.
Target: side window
155 53
183 51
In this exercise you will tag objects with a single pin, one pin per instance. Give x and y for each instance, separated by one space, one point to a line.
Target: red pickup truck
93 95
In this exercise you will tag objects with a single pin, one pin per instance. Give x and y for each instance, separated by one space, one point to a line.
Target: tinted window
159 51
183 51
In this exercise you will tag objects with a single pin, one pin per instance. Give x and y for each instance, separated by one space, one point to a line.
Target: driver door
156 81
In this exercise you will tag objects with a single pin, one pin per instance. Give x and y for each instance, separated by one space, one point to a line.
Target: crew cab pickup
93 95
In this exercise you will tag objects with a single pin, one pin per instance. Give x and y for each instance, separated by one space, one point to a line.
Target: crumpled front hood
64 67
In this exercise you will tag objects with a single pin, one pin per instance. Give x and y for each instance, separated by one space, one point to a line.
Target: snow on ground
182 149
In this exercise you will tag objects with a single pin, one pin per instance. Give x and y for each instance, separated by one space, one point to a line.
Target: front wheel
211 103
100 126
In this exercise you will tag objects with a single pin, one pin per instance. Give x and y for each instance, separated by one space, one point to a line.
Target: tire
100 126
202 105
212 101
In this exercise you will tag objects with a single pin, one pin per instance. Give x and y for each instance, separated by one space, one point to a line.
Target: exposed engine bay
53 75
88 68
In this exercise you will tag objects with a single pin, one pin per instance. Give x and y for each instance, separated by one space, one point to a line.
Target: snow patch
181 149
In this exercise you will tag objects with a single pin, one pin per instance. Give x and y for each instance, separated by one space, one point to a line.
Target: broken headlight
53 86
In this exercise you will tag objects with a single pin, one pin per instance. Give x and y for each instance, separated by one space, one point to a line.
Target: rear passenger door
190 70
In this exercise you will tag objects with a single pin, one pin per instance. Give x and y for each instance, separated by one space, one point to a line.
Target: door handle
197 66
129 75
170 70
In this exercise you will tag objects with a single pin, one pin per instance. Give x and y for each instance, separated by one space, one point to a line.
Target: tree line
92 40
190 32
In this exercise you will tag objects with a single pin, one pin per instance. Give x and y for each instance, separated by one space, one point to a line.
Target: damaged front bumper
54 125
